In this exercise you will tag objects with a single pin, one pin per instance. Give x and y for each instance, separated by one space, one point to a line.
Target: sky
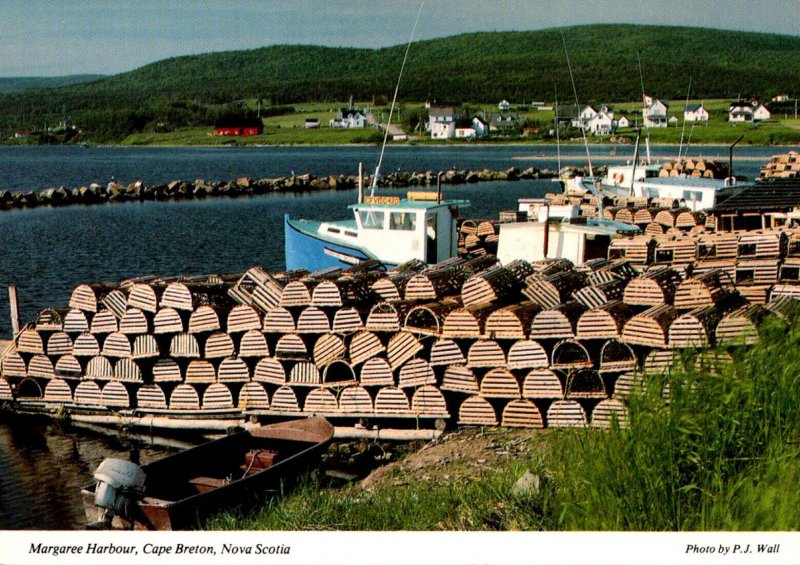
64 37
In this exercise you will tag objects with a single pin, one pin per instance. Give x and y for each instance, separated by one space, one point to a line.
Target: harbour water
46 252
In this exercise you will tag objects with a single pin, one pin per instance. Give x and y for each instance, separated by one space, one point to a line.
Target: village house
506 122
654 113
312 123
442 122
349 118
696 113
239 127
780 98
504 105
480 126
597 122
623 123
747 111
465 129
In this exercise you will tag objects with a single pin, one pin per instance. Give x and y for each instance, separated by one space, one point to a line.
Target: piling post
12 299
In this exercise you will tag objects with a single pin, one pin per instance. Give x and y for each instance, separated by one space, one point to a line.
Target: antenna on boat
577 105
683 129
731 177
644 104
394 100
360 182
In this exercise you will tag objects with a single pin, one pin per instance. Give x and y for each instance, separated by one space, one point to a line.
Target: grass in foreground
719 452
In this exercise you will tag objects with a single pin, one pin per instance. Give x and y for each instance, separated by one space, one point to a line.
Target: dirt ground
459 455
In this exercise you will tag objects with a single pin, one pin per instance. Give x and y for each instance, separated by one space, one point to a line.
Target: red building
239 126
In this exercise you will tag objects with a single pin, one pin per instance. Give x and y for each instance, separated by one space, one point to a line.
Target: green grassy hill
476 68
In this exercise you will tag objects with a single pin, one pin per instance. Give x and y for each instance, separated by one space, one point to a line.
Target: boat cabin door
431 241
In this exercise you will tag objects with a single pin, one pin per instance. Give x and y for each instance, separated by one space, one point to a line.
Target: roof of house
771 194
239 123
463 123
347 112
441 111
694 108
481 120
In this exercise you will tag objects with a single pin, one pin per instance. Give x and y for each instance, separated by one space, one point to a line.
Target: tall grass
721 453
705 449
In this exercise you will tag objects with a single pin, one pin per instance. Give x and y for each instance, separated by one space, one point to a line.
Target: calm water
47 252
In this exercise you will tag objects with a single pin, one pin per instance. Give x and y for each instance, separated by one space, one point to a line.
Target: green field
289 129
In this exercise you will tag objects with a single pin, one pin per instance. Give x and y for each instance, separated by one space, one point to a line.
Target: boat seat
205 484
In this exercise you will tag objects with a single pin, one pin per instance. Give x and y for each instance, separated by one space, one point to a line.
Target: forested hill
476 67
18 84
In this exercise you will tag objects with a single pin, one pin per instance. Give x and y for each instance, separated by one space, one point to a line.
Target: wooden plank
217 397
200 371
377 372
476 411
279 320
115 395
253 344
219 345
499 383
521 413
607 412
233 370
184 397
58 391
566 414
252 396
185 346
390 401
527 354
364 346
270 370
486 353
415 373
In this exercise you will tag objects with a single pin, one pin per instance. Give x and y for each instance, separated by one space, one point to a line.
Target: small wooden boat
181 489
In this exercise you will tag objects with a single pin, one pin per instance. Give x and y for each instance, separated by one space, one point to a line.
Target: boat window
692 195
705 251
371 219
334 230
747 249
351 233
403 221
790 273
616 253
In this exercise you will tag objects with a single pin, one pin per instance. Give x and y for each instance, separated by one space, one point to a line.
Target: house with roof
480 126
696 113
654 113
442 122
506 122
239 126
596 122
465 129
747 111
504 105
582 119
349 118
623 123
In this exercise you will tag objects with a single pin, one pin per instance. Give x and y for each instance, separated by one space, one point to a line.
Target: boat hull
183 489
307 250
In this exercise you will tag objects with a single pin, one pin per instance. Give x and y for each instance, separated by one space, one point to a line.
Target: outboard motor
120 484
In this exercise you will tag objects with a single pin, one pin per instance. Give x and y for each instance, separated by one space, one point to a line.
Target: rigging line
683 129
577 104
558 137
394 99
644 111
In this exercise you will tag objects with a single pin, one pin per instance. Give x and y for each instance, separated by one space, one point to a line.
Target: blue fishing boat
385 228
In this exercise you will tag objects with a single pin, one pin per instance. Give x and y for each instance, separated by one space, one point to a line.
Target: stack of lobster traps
470 341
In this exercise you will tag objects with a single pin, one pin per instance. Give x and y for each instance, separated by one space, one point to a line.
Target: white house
346 118
673 121
442 122
623 122
695 114
504 105
581 121
480 126
465 129
761 113
747 111
603 122
654 113
781 98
